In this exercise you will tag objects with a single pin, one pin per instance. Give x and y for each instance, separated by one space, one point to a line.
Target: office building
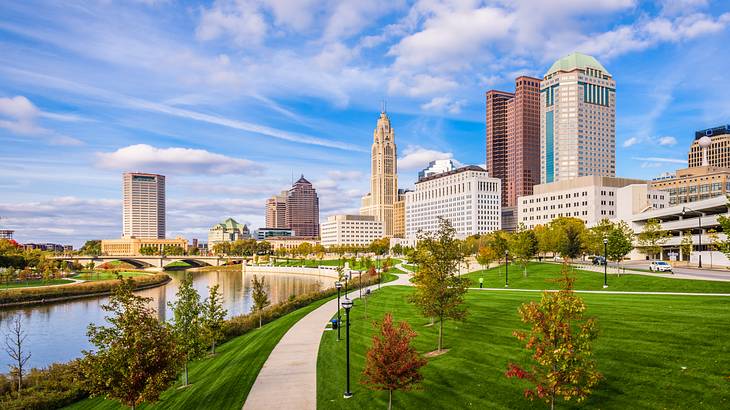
355 230
589 198
6 234
143 214
262 234
694 184
276 211
399 214
710 147
436 167
577 120
132 246
302 209
468 197
513 138
383 175
290 243
227 231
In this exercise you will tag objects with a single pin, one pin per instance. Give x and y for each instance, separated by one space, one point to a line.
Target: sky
232 99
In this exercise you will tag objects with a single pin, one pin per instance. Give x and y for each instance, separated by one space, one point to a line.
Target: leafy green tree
499 241
222 248
380 246
561 339
620 241
596 235
187 323
569 237
213 316
397 249
652 237
91 248
545 239
439 290
148 250
523 247
260 296
686 244
136 358
713 242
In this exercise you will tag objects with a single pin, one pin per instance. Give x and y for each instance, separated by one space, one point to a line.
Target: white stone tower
383 176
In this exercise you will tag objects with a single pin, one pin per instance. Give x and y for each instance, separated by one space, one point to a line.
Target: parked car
599 260
660 266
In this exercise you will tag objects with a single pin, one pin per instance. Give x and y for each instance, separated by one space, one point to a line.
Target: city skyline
76 114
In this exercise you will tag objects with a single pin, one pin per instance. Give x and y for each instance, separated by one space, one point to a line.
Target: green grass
178 264
644 342
539 276
326 262
222 381
34 282
102 275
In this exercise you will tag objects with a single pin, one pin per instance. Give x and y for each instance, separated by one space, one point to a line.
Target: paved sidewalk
288 379
611 292
628 271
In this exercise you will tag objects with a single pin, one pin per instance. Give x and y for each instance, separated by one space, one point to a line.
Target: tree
686 244
392 363
380 246
213 316
523 246
439 290
561 340
485 256
620 241
14 346
652 237
499 241
91 265
259 295
596 235
569 236
187 323
397 249
136 358
714 242
91 248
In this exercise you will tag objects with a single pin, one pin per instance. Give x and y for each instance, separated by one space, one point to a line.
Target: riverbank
52 294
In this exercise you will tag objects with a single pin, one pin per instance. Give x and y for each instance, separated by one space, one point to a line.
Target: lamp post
359 278
506 269
699 225
605 263
377 262
365 299
347 304
338 285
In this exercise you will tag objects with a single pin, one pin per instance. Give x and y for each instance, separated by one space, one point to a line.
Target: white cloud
346 175
20 117
660 159
667 141
630 142
239 19
441 104
421 85
416 157
142 157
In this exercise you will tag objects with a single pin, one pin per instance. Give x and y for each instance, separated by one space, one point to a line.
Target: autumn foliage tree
136 358
561 340
392 363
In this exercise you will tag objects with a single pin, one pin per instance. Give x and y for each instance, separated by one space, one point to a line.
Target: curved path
288 379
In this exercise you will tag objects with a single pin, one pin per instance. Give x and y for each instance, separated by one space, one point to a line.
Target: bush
54 387
20 295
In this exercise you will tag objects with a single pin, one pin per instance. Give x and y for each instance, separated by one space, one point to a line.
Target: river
57 332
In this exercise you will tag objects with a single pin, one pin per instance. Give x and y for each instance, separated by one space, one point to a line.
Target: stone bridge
155 261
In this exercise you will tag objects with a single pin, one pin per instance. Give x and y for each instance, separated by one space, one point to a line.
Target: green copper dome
576 60
231 223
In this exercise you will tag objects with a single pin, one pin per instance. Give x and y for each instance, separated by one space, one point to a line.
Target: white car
660 266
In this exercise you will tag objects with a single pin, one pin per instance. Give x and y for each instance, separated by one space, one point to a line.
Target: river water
57 332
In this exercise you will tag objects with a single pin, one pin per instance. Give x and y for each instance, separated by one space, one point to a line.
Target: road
683 272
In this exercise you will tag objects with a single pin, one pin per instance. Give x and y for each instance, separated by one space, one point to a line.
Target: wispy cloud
661 159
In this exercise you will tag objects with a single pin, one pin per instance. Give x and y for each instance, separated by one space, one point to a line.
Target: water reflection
57 332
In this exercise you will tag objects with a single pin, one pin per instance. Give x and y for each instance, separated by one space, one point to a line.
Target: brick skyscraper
276 211
513 138
302 209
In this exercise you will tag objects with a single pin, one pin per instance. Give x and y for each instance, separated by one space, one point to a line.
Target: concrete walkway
718 277
288 379
611 292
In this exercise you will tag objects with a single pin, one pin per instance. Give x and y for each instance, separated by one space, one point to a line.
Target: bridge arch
193 262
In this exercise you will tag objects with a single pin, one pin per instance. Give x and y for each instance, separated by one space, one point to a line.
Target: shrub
54 387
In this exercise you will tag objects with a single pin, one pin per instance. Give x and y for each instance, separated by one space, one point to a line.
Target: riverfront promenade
288 379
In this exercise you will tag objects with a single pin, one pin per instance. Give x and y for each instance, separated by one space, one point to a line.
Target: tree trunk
259 319
552 403
441 331
213 346
20 381
185 382
390 399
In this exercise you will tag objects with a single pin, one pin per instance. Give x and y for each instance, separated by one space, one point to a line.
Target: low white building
468 197
359 230
590 198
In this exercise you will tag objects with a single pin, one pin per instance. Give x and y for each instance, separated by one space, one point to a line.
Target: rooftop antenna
383 106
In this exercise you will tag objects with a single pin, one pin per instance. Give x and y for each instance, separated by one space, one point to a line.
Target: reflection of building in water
161 303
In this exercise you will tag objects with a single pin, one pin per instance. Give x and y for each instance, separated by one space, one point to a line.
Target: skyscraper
302 209
143 214
577 120
436 167
276 211
513 138
383 177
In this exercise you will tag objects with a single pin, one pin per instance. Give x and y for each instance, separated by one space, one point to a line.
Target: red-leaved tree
560 337
392 363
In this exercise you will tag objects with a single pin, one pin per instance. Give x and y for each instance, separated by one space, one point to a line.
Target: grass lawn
223 381
327 262
178 264
100 275
645 342
34 282
540 274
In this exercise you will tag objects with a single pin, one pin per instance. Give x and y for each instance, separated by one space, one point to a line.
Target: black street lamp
338 285
605 263
506 269
699 225
347 304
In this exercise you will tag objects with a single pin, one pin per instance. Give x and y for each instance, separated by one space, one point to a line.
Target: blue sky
231 98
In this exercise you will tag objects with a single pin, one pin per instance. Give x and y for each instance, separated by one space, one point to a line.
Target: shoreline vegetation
50 294
243 342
